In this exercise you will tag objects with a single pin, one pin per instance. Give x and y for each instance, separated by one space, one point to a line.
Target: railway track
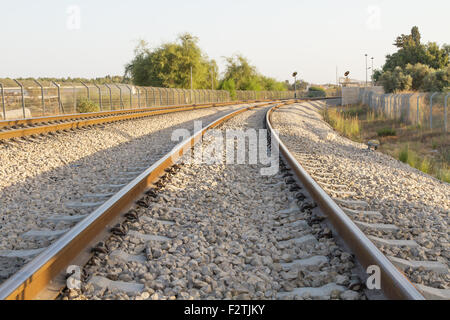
389 218
33 127
298 257
51 184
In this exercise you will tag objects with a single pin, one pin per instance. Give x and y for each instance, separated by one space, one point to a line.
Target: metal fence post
179 91
120 95
146 97
445 111
391 105
87 89
42 95
23 97
431 109
131 96
99 95
3 101
61 107
417 114
110 97
154 95
139 96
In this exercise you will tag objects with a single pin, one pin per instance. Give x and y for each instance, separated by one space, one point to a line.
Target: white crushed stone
226 240
393 192
44 182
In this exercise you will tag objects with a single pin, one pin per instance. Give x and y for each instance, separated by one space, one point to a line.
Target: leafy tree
437 81
230 86
299 85
418 73
413 63
411 51
245 76
170 65
396 80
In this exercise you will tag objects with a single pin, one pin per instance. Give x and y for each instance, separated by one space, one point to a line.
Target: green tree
396 80
411 51
415 65
418 73
437 81
170 65
245 76
299 85
230 86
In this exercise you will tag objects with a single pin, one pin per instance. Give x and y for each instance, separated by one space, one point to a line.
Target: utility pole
337 81
366 69
372 71
295 84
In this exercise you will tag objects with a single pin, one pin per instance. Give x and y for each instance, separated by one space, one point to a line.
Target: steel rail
394 284
39 278
96 119
75 116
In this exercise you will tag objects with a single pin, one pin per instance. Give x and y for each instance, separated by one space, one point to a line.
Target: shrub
385 132
85 105
408 156
404 154
443 174
230 86
396 80
316 92
425 166
347 125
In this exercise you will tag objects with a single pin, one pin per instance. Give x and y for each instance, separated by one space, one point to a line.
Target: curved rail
43 277
76 116
41 125
393 283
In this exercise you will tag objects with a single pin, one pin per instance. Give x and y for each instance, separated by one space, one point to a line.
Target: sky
80 38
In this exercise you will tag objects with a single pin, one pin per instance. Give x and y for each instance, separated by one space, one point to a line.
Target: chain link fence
25 101
427 110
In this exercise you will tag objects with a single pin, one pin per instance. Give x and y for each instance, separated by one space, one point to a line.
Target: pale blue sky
311 37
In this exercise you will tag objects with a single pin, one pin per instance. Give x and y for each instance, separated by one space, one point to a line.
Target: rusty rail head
393 283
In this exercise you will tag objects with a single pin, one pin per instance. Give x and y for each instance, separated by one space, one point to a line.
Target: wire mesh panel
425 110
53 98
13 103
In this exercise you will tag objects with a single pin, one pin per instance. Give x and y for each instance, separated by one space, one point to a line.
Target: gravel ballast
71 174
222 231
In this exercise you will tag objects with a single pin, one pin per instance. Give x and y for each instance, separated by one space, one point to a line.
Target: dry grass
422 149
345 123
